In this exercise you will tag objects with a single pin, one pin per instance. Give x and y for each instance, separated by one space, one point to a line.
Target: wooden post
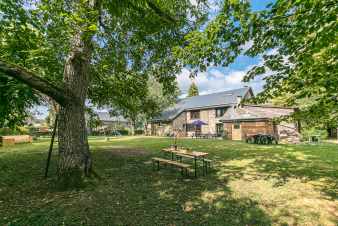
51 146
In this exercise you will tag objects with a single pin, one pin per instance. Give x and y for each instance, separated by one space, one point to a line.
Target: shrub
139 131
307 133
8 131
123 132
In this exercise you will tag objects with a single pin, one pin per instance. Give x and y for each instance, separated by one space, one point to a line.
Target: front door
198 130
236 131
219 129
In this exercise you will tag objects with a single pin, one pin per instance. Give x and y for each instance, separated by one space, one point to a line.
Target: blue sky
215 79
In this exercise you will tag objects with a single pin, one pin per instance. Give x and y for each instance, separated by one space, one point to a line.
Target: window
220 112
237 125
189 127
194 114
219 129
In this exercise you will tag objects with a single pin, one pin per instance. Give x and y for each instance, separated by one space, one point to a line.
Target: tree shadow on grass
310 164
134 194
131 193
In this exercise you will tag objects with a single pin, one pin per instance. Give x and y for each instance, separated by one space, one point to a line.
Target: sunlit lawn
251 185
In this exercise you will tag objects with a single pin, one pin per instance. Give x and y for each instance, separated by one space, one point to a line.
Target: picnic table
186 153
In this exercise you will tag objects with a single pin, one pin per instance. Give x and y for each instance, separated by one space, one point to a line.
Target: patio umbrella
199 123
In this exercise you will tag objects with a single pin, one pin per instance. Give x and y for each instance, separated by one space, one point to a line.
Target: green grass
251 185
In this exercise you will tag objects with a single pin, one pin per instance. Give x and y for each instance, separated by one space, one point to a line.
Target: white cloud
215 80
246 46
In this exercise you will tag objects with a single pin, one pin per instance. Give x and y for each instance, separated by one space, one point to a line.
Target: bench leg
195 167
203 166
158 165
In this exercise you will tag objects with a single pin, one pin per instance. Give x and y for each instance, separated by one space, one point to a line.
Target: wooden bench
180 156
180 165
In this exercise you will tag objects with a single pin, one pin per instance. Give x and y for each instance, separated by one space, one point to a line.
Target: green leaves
218 41
304 66
131 41
297 40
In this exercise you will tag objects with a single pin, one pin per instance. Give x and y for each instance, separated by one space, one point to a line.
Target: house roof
106 117
255 112
203 101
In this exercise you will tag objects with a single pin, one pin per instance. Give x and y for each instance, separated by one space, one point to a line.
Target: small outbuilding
243 121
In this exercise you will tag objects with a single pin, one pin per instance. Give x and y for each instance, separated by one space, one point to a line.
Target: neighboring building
224 115
112 121
109 123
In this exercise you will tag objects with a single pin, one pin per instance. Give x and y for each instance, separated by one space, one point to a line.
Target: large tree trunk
74 155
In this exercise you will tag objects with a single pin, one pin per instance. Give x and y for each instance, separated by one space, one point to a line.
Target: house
107 123
112 121
223 114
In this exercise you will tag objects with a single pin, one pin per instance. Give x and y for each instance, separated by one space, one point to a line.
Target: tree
148 100
298 40
69 50
193 90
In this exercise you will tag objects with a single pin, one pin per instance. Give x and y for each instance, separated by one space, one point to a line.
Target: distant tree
93 120
193 90
148 98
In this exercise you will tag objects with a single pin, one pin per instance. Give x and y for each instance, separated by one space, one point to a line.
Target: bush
17 131
307 133
139 131
123 132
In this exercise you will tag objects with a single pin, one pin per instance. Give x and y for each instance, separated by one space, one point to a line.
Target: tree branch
158 11
34 81
161 13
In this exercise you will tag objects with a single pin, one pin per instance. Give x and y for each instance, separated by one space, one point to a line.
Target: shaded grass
251 185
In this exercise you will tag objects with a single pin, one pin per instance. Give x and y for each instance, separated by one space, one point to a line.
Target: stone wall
288 133
208 116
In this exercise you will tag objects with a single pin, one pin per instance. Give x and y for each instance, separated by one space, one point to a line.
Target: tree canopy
130 39
297 41
104 51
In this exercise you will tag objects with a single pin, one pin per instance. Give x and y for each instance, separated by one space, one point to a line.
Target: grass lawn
251 185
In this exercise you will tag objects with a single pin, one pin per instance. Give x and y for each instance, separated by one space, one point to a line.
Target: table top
185 152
